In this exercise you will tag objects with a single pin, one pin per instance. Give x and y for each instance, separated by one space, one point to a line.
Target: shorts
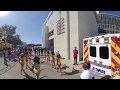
36 71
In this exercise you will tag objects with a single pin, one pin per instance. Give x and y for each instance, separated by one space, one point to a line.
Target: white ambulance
103 52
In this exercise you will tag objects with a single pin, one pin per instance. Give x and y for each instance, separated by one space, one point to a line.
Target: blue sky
111 12
29 24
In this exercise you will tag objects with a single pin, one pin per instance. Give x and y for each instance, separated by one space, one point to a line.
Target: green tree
8 32
17 40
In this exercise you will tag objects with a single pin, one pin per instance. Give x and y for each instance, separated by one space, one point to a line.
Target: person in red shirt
75 53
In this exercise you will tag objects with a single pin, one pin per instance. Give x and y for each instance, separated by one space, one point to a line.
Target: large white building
63 30
108 23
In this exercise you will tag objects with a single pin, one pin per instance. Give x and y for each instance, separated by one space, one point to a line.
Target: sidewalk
71 62
76 69
72 67
4 68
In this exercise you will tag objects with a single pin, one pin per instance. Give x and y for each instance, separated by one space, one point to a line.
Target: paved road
13 72
47 73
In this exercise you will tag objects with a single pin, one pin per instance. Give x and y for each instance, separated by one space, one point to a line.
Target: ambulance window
93 51
104 52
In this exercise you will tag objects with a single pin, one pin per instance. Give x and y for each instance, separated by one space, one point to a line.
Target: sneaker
73 64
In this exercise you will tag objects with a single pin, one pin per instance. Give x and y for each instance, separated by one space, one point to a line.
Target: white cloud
97 12
3 13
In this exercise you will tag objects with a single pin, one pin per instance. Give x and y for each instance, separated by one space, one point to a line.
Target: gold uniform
36 68
21 60
27 57
58 62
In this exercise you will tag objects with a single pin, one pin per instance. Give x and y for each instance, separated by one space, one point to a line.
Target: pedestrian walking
41 51
30 51
53 59
4 52
87 73
58 57
35 51
21 62
36 66
48 56
26 59
75 53
9 54
45 53
29 57
5 60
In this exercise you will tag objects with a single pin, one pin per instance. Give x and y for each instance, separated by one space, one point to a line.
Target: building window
60 26
51 33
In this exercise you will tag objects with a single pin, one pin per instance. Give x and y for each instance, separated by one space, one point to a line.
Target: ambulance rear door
100 57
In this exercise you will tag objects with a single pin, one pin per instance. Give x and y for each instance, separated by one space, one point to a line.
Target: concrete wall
61 40
87 27
46 40
43 36
73 31
78 25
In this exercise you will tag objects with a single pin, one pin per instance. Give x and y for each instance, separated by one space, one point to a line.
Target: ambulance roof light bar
97 39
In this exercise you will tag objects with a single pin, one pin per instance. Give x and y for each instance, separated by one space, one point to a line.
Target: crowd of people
54 59
49 55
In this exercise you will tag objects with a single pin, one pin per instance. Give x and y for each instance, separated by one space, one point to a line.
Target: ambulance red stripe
86 50
85 45
113 69
114 40
86 58
113 50
113 61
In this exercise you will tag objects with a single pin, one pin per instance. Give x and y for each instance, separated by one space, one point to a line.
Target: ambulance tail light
106 39
90 41
97 39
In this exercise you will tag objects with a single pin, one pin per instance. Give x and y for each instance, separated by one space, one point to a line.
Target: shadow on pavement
71 73
27 76
43 77
64 67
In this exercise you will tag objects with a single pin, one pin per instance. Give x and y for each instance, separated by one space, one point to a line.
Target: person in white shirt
87 73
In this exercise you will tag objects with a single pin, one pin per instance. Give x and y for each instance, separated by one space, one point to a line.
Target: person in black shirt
41 51
35 50
5 60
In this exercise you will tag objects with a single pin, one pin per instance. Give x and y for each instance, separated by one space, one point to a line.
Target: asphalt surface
13 71
47 72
